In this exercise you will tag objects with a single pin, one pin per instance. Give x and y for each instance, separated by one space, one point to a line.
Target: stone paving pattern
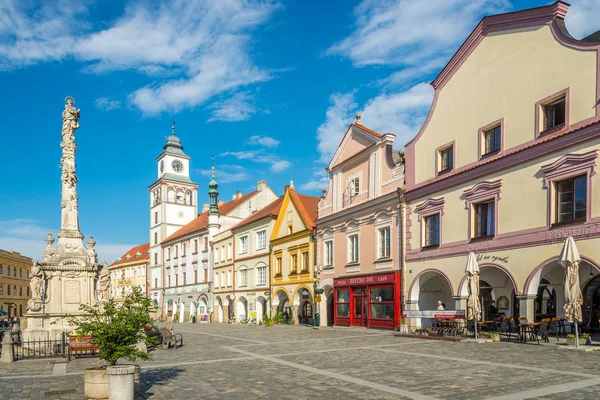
283 362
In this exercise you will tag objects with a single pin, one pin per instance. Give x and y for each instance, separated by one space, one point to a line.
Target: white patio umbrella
473 306
569 258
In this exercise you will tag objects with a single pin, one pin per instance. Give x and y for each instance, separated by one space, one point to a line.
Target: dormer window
445 158
554 114
492 139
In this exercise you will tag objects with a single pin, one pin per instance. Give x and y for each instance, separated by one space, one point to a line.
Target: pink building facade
358 232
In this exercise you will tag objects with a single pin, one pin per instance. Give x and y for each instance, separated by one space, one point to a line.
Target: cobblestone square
297 362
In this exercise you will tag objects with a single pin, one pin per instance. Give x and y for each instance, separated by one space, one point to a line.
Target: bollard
8 352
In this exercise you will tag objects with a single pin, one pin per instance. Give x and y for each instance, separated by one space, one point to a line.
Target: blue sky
267 87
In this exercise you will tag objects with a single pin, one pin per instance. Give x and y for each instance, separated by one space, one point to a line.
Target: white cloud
206 43
582 18
106 104
337 118
401 113
259 156
27 237
228 173
239 107
319 182
266 141
411 33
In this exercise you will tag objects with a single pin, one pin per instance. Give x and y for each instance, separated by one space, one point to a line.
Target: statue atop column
104 279
70 117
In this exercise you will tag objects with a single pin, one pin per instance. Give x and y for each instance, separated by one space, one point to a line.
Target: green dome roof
173 145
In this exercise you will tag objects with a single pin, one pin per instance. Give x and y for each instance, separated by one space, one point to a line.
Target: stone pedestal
8 355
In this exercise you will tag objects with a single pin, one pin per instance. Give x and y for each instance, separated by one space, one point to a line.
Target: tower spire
213 193
173 128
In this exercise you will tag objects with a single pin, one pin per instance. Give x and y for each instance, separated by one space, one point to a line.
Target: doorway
360 306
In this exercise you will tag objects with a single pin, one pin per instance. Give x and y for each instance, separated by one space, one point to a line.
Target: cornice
356 209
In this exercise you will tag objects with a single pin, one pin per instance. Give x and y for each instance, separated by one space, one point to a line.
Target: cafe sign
365 280
438 314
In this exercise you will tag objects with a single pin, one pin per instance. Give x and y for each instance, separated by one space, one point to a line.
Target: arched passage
429 287
219 307
497 289
241 309
304 300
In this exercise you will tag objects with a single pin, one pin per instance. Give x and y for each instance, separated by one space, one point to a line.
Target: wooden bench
171 339
82 344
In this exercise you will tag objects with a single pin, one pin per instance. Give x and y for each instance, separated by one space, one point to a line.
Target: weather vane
173 127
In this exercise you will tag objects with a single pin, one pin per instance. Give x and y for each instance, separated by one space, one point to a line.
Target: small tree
116 329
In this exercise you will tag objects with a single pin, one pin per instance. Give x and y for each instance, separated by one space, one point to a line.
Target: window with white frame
261 240
328 256
243 244
222 253
484 219
353 248
229 251
217 279
384 242
243 277
228 278
353 188
261 275
222 278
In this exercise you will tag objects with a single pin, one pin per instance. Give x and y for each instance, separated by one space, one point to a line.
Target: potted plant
584 339
495 336
403 328
267 320
277 318
116 330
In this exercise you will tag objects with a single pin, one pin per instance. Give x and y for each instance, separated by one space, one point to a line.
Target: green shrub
117 328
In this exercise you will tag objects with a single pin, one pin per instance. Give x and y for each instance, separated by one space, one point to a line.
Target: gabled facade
251 262
189 253
358 239
293 257
129 271
505 166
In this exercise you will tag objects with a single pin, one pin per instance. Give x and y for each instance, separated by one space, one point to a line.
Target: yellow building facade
293 258
14 283
505 166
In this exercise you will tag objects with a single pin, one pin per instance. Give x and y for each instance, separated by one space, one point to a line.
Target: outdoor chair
543 330
513 328
553 327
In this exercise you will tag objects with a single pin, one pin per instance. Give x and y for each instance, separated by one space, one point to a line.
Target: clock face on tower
177 166
162 165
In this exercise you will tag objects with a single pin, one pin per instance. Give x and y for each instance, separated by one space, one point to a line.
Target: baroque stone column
69 272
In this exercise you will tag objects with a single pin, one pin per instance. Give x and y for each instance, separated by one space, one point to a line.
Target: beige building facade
129 271
224 277
14 283
505 166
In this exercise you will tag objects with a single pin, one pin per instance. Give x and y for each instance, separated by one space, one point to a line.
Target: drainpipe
402 204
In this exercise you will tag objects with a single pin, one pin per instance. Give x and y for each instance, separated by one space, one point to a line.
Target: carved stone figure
70 117
37 281
104 281
68 175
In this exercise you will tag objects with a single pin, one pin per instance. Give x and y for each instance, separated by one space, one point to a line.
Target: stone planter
572 342
120 382
495 337
96 382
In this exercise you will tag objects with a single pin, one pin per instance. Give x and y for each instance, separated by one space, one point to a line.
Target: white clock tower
173 203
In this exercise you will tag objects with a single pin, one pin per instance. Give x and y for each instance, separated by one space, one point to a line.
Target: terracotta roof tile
469 167
270 210
201 221
364 128
143 249
307 206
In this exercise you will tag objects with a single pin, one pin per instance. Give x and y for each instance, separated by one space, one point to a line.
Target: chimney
291 185
205 208
238 194
220 202
261 185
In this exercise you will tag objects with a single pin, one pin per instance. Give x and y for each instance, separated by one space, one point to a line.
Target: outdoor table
527 328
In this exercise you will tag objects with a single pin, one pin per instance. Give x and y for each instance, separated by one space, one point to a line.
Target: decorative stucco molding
482 191
429 207
569 165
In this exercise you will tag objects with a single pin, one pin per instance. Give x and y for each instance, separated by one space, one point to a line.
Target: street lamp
318 293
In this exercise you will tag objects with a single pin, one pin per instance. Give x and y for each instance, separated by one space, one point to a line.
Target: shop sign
364 280
456 314
492 258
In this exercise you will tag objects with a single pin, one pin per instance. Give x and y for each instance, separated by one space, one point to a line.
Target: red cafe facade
372 301
358 225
